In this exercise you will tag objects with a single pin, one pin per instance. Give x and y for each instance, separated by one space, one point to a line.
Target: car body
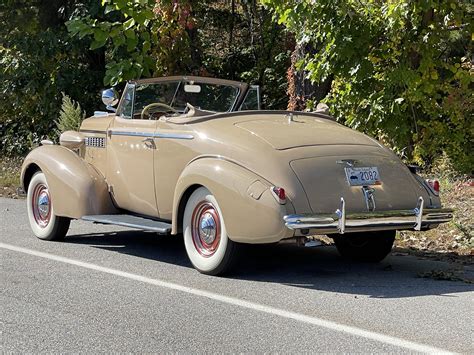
197 156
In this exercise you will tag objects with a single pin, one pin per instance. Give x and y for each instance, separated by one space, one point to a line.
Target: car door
175 148
130 150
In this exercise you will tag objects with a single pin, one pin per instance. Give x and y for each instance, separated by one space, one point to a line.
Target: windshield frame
242 87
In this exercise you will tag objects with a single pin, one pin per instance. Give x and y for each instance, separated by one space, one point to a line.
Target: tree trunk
300 89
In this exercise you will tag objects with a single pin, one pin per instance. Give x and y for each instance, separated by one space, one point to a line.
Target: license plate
362 176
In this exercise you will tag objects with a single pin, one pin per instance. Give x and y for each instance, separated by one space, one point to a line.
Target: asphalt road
107 289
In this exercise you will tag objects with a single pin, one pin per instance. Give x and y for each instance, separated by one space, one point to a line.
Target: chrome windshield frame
232 107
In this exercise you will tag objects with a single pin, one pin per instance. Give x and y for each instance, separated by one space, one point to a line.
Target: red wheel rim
41 205
206 229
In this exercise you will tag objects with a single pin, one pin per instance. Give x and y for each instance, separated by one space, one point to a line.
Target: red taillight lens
280 194
434 185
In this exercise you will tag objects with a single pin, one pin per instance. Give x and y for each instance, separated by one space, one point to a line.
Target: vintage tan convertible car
196 156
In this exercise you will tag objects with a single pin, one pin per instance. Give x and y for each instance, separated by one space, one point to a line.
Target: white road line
386 339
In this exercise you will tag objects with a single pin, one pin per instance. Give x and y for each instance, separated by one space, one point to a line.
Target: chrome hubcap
206 229
41 205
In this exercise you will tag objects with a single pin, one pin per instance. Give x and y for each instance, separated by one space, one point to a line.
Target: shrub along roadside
70 117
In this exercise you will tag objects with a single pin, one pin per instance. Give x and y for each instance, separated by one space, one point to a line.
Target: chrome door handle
149 142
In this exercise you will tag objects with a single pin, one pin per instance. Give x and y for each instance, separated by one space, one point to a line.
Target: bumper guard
341 222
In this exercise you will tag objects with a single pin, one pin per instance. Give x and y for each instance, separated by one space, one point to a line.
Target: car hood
282 133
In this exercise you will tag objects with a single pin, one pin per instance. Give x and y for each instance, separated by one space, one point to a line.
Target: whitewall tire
44 223
205 237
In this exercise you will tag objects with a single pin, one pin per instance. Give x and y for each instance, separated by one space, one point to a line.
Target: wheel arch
27 175
77 188
230 184
182 205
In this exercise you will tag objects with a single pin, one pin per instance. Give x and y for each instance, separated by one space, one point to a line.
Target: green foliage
401 69
126 28
53 46
71 115
38 61
211 38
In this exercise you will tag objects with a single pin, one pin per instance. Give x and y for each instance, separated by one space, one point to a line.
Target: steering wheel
156 104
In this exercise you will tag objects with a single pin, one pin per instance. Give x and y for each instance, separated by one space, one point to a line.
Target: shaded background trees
399 70
39 60
237 40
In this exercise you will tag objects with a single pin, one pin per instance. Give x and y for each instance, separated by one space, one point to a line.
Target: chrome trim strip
151 135
129 134
342 222
173 135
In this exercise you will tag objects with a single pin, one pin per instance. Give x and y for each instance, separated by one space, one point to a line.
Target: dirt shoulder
10 169
453 238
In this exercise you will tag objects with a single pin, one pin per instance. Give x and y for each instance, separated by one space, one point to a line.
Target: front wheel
44 223
205 237
365 246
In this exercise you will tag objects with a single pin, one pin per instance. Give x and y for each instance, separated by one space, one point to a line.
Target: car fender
76 188
251 213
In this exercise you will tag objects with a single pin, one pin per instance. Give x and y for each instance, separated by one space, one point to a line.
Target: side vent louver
97 142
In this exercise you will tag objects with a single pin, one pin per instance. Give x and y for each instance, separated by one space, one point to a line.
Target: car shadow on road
148 245
399 275
319 268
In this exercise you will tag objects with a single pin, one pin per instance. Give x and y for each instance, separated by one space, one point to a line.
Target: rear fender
76 188
248 219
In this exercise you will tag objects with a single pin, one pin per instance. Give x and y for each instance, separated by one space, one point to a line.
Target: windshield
177 94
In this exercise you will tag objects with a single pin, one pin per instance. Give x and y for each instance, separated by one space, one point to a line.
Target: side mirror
110 99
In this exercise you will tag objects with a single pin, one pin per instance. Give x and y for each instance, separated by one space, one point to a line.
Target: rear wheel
205 237
365 246
44 223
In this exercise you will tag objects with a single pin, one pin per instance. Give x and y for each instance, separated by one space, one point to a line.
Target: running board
127 220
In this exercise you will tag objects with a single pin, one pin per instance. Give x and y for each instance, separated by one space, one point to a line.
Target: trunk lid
324 181
281 133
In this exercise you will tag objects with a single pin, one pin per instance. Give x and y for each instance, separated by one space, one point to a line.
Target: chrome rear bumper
341 222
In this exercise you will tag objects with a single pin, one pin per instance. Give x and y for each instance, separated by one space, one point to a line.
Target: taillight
434 185
279 194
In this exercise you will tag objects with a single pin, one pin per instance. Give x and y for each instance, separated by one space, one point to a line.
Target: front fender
76 188
248 219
